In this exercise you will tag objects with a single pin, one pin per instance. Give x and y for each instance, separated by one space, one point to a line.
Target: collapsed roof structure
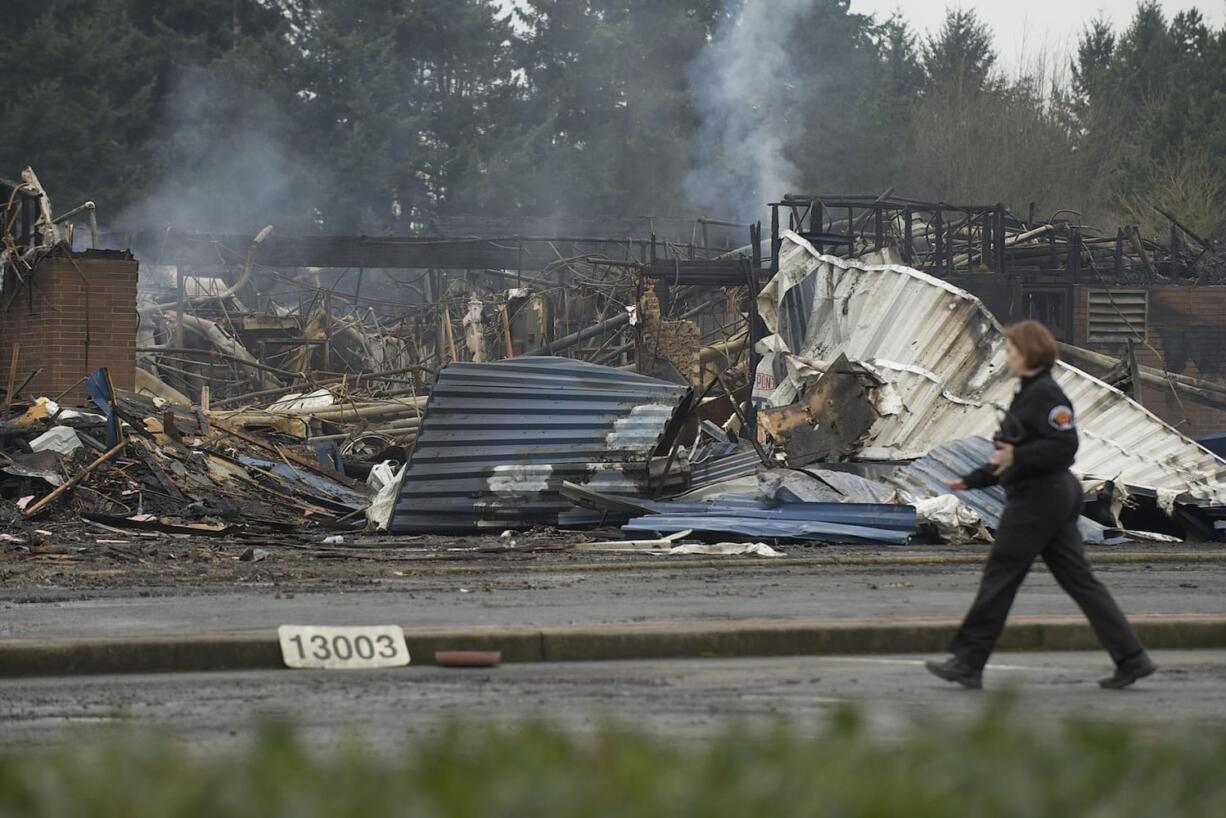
816 385
940 356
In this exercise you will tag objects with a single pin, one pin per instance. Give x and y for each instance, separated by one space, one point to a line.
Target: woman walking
1034 450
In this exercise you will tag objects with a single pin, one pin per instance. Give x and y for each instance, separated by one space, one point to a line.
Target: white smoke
746 90
226 165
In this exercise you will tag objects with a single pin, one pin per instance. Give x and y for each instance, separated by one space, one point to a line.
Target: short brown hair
1035 342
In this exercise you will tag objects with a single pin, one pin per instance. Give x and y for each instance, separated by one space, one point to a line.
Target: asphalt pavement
387 709
563 595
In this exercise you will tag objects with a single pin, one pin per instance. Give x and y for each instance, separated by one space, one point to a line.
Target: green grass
999 766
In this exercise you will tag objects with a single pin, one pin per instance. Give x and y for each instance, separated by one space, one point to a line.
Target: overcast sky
1024 27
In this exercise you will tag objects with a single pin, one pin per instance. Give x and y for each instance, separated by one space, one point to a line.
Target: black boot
1128 671
954 669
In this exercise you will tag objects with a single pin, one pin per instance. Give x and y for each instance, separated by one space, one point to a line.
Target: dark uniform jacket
1040 425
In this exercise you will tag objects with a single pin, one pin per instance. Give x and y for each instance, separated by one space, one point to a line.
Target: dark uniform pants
1040 519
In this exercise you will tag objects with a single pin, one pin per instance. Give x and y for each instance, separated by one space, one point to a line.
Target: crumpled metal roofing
497 440
717 462
853 487
813 522
941 353
927 476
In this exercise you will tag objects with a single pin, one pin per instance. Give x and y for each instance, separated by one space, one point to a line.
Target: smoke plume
746 95
225 164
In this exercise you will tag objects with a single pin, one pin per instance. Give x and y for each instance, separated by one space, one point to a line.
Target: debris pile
878 373
139 464
821 388
935 358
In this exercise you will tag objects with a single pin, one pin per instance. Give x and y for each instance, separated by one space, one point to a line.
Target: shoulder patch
1061 418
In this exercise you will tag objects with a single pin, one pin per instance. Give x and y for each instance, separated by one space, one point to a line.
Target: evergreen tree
373 115
1092 67
848 116
960 54
1145 57
79 99
608 94
904 66
902 84
1152 109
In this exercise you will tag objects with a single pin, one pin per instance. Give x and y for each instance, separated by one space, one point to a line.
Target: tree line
375 116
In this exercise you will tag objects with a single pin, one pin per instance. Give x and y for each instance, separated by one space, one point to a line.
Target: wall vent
1116 316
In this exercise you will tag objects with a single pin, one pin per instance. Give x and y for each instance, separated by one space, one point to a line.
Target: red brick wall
54 313
1185 334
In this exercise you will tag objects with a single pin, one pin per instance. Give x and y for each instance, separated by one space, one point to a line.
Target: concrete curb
663 640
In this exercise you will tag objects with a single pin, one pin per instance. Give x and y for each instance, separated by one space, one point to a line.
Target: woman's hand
1002 458
957 485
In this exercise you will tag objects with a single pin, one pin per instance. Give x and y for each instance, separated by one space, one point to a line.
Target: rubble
172 473
829 420
942 353
813 389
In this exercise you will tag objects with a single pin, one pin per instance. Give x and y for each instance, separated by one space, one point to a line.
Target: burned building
655 374
64 312
1146 314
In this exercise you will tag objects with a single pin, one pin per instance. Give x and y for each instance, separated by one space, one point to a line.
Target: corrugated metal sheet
497 440
810 522
855 488
743 514
891 516
927 477
585 518
718 462
942 353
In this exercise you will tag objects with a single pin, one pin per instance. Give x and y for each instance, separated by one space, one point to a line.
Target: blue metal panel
497 441
1214 443
865 515
927 477
809 522
871 515
875 516
757 519
98 385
